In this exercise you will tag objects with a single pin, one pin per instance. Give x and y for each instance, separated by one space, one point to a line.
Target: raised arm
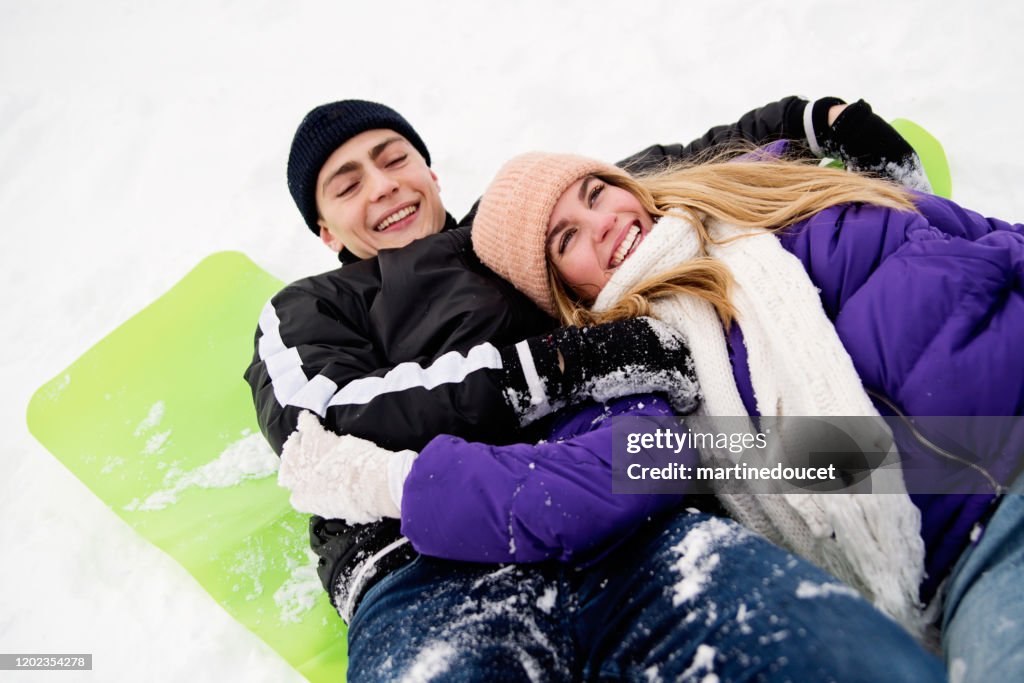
852 133
782 120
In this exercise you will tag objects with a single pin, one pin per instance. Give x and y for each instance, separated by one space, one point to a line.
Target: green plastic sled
933 157
158 422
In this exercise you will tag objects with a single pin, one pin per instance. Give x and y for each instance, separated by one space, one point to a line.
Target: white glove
342 476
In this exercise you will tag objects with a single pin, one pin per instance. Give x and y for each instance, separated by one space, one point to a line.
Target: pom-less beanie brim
510 227
324 130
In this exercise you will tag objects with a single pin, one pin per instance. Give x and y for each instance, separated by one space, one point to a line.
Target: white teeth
625 246
395 217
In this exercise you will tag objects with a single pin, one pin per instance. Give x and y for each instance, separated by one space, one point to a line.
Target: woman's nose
604 227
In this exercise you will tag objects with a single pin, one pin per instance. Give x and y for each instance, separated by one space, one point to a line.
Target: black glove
863 141
342 548
573 364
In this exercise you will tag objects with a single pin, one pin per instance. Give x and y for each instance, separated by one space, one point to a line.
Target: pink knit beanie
511 222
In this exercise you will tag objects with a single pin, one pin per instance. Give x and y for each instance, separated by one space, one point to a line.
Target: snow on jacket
399 348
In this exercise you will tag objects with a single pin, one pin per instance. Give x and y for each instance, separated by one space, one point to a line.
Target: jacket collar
347 257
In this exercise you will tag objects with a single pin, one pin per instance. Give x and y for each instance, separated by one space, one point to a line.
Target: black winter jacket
402 347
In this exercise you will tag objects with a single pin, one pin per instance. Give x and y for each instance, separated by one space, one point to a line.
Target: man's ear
332 242
436 181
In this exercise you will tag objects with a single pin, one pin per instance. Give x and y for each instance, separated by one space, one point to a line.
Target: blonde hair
771 194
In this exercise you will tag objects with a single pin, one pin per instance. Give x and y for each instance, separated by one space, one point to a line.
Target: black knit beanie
324 130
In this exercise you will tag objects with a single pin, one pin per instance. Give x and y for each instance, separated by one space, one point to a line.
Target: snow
155 443
247 458
547 601
507 591
683 391
430 663
957 671
807 590
703 660
742 615
137 138
698 559
299 593
153 418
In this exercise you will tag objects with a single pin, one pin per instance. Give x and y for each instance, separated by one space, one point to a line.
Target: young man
413 337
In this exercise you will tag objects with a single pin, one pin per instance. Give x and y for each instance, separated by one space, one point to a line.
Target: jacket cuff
815 119
527 367
399 466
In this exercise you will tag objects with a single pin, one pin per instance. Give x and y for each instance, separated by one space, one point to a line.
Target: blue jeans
983 612
688 596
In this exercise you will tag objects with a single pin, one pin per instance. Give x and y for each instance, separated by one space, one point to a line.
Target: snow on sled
158 422
933 157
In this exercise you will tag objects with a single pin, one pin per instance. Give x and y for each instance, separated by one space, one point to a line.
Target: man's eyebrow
350 166
346 167
377 149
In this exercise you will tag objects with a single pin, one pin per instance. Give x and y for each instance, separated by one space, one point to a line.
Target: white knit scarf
798 367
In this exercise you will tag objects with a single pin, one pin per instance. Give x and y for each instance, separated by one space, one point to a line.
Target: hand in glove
341 476
573 364
863 141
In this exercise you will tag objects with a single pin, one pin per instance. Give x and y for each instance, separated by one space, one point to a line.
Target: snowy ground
136 138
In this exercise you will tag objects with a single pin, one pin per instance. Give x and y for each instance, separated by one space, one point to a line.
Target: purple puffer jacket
930 307
528 503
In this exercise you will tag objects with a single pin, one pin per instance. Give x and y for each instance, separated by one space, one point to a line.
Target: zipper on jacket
924 441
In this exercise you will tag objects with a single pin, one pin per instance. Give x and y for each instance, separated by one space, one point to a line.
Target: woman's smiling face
594 227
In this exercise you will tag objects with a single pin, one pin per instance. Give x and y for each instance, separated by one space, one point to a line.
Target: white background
138 137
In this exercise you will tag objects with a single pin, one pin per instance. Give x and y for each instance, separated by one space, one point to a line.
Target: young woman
643 590
805 291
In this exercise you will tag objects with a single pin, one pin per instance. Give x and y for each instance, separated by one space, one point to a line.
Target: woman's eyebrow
563 224
559 227
583 188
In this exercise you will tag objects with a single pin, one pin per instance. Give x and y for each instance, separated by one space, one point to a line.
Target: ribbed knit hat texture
511 223
325 129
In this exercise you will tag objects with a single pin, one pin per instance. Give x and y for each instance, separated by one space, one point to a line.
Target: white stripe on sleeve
539 405
812 140
292 388
450 368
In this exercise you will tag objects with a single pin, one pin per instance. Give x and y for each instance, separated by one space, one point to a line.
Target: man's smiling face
377 192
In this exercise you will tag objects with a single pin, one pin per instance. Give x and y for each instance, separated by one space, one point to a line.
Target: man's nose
381 184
